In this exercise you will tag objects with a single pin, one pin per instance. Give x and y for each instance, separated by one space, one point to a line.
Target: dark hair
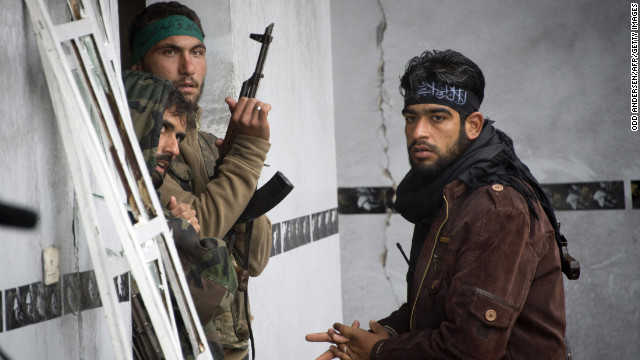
182 107
445 67
159 11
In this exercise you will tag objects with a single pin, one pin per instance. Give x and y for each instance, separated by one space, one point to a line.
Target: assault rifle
264 198
278 187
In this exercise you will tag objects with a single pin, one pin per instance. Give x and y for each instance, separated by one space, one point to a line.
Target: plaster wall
557 82
35 176
302 275
304 271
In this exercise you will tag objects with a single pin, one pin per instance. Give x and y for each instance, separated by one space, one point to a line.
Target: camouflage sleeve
208 270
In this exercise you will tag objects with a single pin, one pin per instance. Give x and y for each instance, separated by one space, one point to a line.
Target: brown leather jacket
487 285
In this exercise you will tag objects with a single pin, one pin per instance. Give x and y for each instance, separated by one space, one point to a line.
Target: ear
473 125
137 66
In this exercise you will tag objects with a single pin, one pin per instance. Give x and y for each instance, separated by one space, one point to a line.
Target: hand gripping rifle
278 187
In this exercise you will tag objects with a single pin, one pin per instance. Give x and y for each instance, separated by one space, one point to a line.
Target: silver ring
188 221
346 349
257 108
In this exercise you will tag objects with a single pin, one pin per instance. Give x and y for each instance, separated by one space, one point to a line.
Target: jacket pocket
491 310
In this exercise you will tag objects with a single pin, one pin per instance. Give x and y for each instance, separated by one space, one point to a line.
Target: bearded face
444 157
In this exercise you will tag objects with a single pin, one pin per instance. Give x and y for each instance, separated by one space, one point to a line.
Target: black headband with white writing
459 99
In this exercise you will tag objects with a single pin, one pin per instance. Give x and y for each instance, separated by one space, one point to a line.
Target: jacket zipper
435 242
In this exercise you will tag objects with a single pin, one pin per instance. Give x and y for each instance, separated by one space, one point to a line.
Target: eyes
169 130
168 52
199 51
411 118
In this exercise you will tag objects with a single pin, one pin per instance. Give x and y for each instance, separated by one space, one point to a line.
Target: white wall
303 274
35 176
299 291
557 82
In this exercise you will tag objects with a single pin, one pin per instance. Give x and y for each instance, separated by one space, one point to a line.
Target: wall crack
383 102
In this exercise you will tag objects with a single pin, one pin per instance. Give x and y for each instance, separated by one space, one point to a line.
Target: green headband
157 31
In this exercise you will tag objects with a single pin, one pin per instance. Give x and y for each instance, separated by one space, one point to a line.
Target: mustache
186 80
423 143
164 157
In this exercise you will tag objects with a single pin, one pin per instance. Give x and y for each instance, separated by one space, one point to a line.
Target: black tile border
324 224
295 232
365 200
291 234
31 304
77 292
34 303
594 195
276 246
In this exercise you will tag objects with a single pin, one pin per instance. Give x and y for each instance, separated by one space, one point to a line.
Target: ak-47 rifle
264 198
278 187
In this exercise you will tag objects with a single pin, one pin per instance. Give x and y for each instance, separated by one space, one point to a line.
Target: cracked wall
297 83
550 66
36 177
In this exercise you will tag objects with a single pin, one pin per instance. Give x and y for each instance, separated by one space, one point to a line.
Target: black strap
248 232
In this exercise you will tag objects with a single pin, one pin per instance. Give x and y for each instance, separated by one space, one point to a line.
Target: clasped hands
349 342
182 210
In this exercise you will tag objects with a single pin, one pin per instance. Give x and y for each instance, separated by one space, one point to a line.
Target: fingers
340 354
172 203
231 103
345 330
318 337
183 210
327 355
250 117
194 222
378 329
337 338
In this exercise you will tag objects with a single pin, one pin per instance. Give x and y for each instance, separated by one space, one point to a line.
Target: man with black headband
167 40
485 278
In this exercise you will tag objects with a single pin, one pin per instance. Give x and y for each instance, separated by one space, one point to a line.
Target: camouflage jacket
219 201
206 262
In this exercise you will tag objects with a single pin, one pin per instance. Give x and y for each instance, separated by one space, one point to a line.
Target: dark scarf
489 159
